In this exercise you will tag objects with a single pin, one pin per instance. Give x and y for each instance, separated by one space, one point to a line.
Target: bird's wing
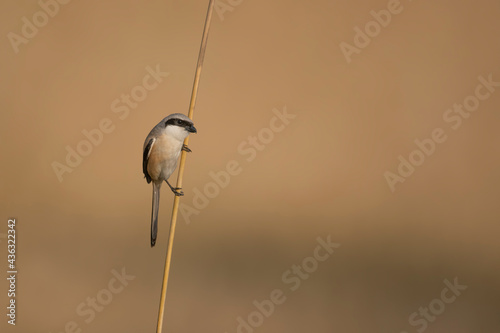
145 158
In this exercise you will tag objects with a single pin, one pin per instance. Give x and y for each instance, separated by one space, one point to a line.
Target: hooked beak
191 129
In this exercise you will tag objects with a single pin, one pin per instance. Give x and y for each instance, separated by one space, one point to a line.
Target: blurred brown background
322 175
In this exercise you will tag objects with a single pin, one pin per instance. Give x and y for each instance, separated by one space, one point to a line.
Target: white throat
176 132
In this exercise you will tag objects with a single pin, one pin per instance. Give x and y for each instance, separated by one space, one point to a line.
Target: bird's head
179 126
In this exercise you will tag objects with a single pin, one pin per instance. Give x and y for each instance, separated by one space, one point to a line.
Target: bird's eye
178 122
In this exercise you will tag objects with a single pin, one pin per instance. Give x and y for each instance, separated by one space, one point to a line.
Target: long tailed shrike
162 148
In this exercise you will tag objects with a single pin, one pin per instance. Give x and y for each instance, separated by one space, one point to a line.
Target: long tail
154 212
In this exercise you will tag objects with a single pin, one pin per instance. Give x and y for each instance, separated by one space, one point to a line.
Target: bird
161 152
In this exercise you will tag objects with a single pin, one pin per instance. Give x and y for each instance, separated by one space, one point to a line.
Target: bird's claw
186 148
177 191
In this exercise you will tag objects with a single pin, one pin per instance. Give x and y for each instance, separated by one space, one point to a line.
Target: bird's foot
186 148
177 191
